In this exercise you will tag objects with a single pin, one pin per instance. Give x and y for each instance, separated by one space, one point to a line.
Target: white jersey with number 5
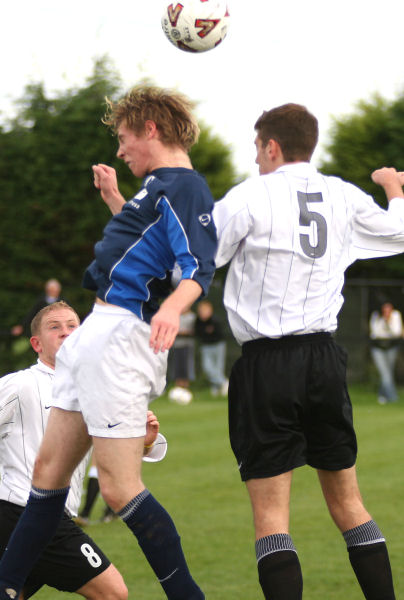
290 236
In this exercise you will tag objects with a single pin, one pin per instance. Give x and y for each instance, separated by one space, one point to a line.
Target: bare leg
278 566
344 501
119 471
365 542
109 585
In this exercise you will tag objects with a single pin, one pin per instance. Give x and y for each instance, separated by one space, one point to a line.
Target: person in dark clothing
52 293
209 332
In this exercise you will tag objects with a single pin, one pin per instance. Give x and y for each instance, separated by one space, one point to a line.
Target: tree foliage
368 139
50 213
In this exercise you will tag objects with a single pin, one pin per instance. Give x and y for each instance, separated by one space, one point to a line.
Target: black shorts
68 562
289 406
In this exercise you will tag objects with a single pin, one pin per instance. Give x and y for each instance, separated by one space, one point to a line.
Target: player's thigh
109 585
119 464
343 497
65 443
270 500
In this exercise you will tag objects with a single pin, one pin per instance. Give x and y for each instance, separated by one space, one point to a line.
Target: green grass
199 484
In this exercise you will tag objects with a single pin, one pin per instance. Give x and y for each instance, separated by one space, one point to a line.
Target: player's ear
274 150
150 129
36 343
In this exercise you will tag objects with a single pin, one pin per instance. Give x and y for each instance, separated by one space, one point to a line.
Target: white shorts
106 370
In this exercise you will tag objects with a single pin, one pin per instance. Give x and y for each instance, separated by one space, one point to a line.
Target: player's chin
136 171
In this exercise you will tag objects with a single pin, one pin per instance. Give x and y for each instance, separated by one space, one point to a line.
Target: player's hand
105 180
387 175
390 180
152 428
164 328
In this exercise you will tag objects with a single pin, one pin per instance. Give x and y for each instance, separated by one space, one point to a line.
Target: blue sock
160 542
36 527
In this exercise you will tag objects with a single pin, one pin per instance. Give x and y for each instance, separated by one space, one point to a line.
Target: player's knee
115 594
111 497
116 496
46 476
109 585
119 593
40 470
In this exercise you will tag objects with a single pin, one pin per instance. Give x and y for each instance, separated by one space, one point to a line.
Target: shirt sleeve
377 232
233 222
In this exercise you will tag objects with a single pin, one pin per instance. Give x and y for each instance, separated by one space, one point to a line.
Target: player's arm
166 322
391 181
105 180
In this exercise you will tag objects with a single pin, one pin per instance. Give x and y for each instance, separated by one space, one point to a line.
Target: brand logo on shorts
46 407
113 425
11 593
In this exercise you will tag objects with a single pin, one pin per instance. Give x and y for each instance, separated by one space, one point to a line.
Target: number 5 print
307 217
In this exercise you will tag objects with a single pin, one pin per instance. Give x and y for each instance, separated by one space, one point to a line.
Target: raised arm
105 180
391 181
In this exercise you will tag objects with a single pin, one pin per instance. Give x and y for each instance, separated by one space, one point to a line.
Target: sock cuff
127 511
277 542
367 533
39 493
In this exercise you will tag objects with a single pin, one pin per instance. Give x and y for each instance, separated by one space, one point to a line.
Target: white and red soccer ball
196 25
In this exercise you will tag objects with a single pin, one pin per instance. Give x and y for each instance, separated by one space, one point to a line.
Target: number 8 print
92 557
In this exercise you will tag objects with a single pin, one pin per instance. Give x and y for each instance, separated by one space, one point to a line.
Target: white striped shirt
25 401
290 235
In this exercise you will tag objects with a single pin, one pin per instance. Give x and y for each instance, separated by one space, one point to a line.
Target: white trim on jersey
290 235
31 392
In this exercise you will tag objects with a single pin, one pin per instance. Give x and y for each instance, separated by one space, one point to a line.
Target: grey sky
322 54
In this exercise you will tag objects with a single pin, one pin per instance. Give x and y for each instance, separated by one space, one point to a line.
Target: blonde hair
170 111
37 320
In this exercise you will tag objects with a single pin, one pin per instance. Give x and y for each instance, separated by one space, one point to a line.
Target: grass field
198 483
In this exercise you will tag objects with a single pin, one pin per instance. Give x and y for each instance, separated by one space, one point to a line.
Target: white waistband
112 309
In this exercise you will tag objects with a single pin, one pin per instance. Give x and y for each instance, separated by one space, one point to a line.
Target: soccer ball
196 25
180 395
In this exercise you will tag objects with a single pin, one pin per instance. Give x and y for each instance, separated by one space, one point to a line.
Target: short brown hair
37 320
293 127
171 112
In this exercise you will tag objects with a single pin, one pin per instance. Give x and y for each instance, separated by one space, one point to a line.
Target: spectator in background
52 293
181 360
386 330
208 331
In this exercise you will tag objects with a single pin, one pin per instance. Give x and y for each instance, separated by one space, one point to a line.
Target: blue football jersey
167 224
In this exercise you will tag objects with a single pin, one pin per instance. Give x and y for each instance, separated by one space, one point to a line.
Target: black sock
35 528
93 488
160 542
370 561
279 570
